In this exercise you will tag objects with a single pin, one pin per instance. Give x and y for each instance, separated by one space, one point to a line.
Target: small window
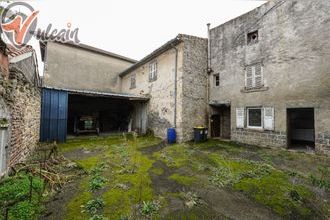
254 118
216 80
252 37
254 76
153 71
133 81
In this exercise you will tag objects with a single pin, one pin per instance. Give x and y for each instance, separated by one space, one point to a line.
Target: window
252 37
153 71
216 80
254 117
254 77
133 81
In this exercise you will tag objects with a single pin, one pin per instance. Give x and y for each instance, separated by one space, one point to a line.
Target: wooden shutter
249 77
240 112
269 118
258 81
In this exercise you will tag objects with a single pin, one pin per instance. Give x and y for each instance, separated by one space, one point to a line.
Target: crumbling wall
23 99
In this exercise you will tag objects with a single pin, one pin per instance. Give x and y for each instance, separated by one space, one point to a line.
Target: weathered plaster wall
294 49
191 88
22 99
194 88
160 91
70 67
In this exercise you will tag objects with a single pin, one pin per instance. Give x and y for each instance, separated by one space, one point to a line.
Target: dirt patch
82 153
57 205
161 183
153 148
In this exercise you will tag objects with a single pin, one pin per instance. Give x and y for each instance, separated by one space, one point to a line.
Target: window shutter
258 76
249 77
269 118
240 117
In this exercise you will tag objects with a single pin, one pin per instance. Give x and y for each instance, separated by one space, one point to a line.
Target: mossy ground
276 180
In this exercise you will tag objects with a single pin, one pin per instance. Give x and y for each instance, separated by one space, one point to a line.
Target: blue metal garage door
54 114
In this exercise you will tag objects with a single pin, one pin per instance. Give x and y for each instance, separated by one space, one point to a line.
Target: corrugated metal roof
103 94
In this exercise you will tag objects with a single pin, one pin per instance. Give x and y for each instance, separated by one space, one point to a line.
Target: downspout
209 71
175 84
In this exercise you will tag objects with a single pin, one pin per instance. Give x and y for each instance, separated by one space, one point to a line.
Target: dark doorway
215 126
301 130
220 122
110 114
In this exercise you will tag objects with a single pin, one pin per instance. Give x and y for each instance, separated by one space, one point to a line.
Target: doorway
220 122
301 130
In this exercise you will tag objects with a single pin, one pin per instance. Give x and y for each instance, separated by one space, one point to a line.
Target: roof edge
171 43
92 49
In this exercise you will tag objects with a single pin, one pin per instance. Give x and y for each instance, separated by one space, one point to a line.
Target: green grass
17 188
184 180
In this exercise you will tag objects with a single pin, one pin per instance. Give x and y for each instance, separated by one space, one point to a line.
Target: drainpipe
209 71
175 84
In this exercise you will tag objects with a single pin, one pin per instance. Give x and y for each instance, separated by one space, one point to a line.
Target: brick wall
23 99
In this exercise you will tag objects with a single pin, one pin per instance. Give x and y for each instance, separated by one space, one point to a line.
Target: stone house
270 76
20 105
174 78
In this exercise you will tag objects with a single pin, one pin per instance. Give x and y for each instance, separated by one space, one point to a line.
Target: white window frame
131 80
153 68
253 72
261 118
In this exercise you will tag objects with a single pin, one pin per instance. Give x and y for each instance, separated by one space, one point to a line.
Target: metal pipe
209 70
175 84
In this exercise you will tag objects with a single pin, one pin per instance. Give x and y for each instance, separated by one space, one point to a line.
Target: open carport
75 112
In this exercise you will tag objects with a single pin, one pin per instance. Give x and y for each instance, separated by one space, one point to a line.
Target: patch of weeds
96 183
17 189
223 176
191 199
93 206
97 217
88 163
321 181
148 208
184 180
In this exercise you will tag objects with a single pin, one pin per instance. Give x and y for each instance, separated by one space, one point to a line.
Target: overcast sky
134 28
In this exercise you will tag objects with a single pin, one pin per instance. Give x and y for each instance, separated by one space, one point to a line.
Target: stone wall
23 101
260 138
194 85
293 47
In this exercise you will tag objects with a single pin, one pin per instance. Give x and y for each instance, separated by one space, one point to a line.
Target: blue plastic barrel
171 135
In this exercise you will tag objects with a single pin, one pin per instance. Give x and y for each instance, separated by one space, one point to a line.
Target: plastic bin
171 136
200 134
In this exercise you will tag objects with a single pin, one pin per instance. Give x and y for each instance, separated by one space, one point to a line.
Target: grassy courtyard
142 178
127 177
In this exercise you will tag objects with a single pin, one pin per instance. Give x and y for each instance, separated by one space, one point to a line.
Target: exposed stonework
23 101
260 138
194 85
